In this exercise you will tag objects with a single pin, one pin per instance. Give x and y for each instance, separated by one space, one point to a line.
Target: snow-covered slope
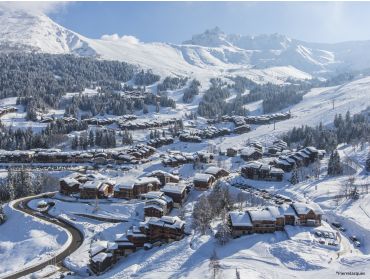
37 32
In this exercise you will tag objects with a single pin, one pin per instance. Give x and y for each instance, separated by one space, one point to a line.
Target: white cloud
34 7
125 38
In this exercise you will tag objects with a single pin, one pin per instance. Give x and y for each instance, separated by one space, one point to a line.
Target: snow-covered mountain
37 32
212 53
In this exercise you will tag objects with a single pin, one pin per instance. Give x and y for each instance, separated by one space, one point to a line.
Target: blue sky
177 21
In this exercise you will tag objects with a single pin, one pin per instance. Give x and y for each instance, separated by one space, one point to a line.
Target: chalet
164 177
69 186
276 174
165 228
258 171
231 152
216 172
136 236
281 214
158 207
203 181
157 204
177 191
242 129
309 214
124 190
95 189
124 246
250 153
284 164
146 184
205 157
240 223
101 262
262 220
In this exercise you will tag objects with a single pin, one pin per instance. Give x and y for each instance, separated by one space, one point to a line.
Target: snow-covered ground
25 241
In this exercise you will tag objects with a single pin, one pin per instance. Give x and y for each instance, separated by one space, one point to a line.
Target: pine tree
294 179
368 163
202 214
223 233
334 164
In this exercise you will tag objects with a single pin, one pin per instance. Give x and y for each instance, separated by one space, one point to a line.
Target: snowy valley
226 156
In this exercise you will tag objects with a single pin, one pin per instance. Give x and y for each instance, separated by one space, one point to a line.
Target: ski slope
316 107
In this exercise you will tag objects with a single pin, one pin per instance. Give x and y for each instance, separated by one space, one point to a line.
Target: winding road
76 237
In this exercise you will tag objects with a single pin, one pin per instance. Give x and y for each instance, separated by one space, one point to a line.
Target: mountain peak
35 31
214 37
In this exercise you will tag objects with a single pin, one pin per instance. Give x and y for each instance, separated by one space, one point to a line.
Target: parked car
318 233
326 235
322 241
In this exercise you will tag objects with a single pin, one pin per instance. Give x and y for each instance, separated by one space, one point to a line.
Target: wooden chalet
231 152
166 229
240 223
203 181
250 153
95 189
309 214
258 171
177 191
125 247
262 220
69 185
163 176
216 172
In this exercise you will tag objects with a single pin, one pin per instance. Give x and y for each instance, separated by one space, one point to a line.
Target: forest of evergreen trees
172 83
348 129
213 103
191 91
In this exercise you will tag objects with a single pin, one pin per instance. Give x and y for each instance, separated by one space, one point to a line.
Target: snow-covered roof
121 237
261 215
69 181
275 170
240 219
152 195
101 257
147 180
253 164
247 151
174 188
166 221
91 185
201 177
213 170
161 172
126 183
304 208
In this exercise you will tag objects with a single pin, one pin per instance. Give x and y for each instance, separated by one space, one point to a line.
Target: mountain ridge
213 51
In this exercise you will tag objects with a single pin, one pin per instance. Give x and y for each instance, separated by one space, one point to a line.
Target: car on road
342 229
336 224
353 238
357 243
